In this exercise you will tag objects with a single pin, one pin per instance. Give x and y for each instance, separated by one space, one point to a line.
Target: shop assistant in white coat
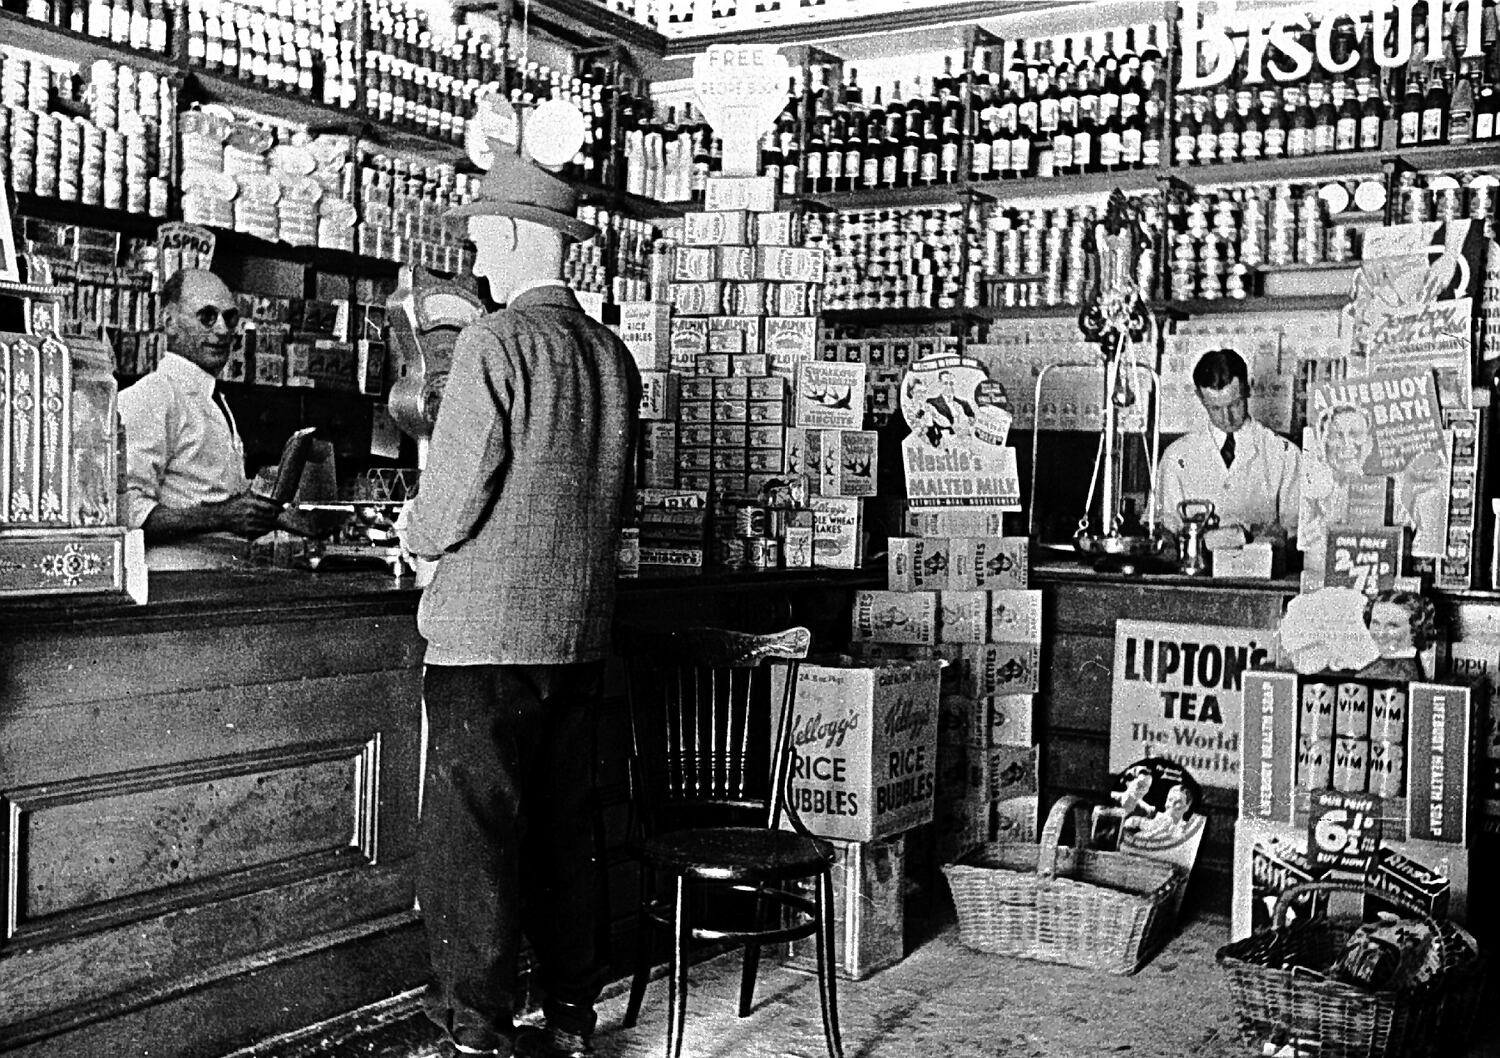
1246 471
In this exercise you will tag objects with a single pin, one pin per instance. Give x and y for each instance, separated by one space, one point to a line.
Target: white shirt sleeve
147 449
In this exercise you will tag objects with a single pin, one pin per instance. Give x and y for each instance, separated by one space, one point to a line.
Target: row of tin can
1437 196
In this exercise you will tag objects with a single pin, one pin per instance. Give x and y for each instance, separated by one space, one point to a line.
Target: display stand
49 554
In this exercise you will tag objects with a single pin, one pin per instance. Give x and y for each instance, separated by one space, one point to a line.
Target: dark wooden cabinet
208 804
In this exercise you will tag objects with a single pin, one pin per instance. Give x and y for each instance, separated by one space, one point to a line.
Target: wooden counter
210 801
1080 608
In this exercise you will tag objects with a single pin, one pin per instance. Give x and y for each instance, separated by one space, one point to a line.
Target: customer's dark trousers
510 843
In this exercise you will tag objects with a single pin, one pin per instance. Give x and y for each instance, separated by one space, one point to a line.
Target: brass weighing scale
1115 316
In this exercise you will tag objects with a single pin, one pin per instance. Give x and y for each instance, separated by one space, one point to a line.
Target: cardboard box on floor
1269 858
869 919
864 747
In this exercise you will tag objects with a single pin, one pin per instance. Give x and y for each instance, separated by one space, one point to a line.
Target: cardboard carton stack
885 360
864 768
958 590
720 354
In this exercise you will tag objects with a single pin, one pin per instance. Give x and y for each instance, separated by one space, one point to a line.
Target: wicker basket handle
1284 904
1046 860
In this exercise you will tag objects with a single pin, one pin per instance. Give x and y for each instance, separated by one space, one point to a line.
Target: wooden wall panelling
200 808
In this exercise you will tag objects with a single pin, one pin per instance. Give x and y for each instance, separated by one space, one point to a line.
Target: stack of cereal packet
957 590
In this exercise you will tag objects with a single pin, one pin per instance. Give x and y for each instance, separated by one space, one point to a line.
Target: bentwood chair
710 714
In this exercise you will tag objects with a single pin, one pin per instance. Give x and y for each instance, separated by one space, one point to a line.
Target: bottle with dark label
1132 140
1231 133
949 148
1299 133
833 153
911 146
1409 117
1185 143
1064 161
1325 125
1023 138
1085 145
1208 138
197 37
770 158
1486 107
1275 136
1461 109
1371 120
854 148
929 154
1435 109
893 142
1151 137
874 142
1346 129
813 154
1252 134
1111 135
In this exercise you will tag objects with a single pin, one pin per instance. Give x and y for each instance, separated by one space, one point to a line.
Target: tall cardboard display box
864 747
869 923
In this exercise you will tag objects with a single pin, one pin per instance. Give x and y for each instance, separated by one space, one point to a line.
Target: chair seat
735 854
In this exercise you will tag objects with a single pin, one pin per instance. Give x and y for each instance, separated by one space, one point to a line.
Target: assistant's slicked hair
1219 367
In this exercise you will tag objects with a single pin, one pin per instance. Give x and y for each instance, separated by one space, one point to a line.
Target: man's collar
187 373
550 293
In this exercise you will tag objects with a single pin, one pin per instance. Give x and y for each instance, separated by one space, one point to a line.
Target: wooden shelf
897 197
325 259
1442 157
581 23
895 317
1230 306
632 205
1279 170
129 225
1017 312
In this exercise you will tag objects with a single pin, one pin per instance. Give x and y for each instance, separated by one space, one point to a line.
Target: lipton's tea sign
1273 43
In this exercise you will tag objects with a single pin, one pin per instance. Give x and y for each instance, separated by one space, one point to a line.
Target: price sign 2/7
1343 830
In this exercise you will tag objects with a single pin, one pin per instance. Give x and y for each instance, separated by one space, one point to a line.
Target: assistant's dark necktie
1227 450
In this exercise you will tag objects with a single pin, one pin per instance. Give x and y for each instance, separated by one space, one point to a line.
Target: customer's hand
247 515
423 568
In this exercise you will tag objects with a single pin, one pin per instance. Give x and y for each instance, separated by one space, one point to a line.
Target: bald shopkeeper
1245 470
185 483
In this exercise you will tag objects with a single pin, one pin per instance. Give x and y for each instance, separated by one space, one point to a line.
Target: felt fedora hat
516 187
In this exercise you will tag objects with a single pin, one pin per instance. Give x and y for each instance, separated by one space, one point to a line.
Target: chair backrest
710 716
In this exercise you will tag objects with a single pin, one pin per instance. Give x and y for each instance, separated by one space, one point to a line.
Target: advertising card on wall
1177 691
956 454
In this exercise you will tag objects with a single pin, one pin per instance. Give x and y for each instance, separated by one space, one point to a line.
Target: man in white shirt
185 480
1247 472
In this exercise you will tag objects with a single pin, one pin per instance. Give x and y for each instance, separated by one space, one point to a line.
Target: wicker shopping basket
1098 910
1282 1000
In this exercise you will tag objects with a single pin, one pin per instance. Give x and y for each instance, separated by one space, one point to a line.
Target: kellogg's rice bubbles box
864 747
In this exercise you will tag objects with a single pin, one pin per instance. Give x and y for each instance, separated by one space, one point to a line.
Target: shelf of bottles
1091 111
384 71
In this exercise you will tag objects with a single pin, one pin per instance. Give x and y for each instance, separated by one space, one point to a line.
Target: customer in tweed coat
528 477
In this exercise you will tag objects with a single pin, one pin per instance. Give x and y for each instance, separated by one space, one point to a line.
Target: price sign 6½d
1343 831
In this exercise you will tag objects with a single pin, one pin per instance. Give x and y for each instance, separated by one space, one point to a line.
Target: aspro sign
1274 47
